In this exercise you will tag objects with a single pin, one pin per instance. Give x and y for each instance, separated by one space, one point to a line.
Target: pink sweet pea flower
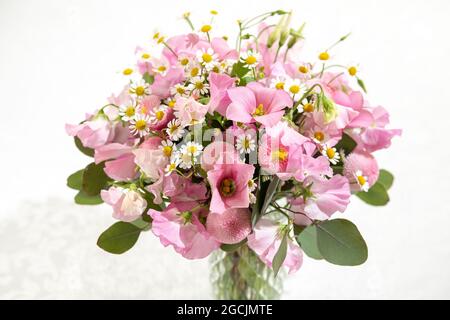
219 152
327 197
92 133
229 186
162 84
230 226
361 167
150 158
122 168
223 50
266 240
128 205
312 166
179 227
219 84
189 111
254 102
340 91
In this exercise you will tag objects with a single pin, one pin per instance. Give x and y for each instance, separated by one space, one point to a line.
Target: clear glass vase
241 275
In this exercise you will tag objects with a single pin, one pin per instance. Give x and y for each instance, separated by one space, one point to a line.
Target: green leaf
273 186
263 197
386 179
339 242
75 180
279 257
142 224
84 199
361 84
148 78
87 151
346 143
375 196
150 198
94 179
232 247
119 238
307 240
239 70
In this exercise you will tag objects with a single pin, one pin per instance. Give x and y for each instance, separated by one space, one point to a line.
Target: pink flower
257 103
219 152
128 205
219 84
325 197
180 227
122 168
230 226
229 186
150 158
92 133
341 93
162 84
189 111
266 240
223 50
366 164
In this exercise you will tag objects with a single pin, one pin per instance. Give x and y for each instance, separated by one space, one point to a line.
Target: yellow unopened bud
324 56
352 71
206 28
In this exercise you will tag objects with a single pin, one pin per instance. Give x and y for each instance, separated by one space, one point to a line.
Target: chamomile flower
127 111
295 88
173 164
175 130
245 143
304 68
193 148
331 153
318 135
278 83
143 55
221 67
193 70
140 125
252 185
186 160
353 70
250 59
171 102
160 66
179 90
140 89
184 61
127 72
362 180
198 86
158 114
168 148
305 106
207 58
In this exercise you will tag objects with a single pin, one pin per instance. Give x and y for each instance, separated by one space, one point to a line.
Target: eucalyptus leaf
375 196
94 179
84 199
307 239
280 256
119 238
87 151
386 179
75 180
339 242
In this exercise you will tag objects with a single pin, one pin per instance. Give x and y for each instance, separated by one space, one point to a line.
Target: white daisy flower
179 90
140 125
175 130
305 68
331 153
278 83
168 148
221 67
318 135
245 143
127 111
198 86
362 180
193 148
173 164
295 88
160 66
306 106
143 55
140 89
158 114
250 59
193 70
207 58
184 61
251 185
186 160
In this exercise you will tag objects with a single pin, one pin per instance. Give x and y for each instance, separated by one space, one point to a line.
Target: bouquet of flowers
244 152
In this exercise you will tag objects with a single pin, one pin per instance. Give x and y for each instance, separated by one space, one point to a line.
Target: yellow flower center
214 12
127 71
207 58
308 107
331 153
162 68
194 72
259 111
206 28
303 69
216 69
361 180
319 136
227 187
192 149
130 111
250 60
167 150
352 71
141 125
199 85
145 56
246 143
180 90
173 128
171 103
139 91
159 115
160 40
294 89
324 56
184 61
280 155
280 85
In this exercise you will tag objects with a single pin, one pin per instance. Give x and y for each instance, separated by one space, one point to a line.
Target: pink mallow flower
229 186
181 228
323 197
230 226
266 240
255 102
128 205
361 170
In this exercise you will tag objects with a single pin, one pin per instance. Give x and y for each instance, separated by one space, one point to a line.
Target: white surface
58 59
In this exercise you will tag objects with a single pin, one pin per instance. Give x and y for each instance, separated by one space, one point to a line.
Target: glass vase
241 275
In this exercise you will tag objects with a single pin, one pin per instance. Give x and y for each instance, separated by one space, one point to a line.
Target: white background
59 59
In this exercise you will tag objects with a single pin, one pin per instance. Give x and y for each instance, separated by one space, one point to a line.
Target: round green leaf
307 240
119 238
84 199
75 180
376 196
94 179
87 151
386 179
339 242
